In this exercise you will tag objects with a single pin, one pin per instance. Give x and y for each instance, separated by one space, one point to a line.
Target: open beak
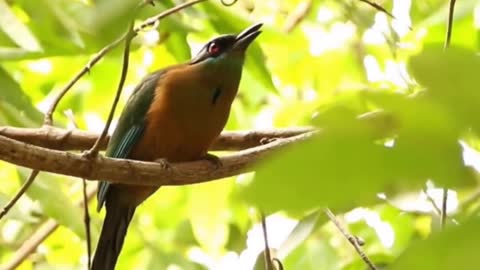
247 36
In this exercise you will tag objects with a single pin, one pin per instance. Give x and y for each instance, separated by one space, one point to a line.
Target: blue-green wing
128 141
130 126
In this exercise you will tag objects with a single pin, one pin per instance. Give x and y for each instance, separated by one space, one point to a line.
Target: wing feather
131 125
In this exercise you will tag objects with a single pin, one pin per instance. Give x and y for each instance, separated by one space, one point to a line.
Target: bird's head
227 48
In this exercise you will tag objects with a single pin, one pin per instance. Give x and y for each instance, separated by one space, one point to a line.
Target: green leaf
300 233
207 207
451 78
16 30
45 189
7 53
112 21
453 248
330 169
15 104
16 212
437 16
260 263
60 10
313 255
176 43
345 165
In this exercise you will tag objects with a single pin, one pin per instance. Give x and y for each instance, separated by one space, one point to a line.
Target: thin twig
126 56
350 239
153 20
86 220
437 210
43 232
31 244
414 212
444 214
449 24
48 120
149 2
268 255
379 8
19 194
432 201
297 16
448 37
86 214
228 4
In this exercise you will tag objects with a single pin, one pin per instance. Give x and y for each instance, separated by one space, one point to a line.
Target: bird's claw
214 160
164 164
89 154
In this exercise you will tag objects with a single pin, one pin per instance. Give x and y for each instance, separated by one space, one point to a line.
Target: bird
173 115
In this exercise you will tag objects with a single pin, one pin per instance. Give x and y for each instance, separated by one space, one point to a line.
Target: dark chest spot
216 94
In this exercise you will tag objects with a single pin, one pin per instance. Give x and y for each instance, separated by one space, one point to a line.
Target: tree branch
61 139
129 171
351 239
126 171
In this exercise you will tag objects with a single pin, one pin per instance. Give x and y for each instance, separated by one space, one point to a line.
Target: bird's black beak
236 44
246 37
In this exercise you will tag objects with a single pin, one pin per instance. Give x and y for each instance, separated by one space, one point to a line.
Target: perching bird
174 114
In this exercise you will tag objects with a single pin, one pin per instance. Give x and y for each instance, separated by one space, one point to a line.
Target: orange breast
182 121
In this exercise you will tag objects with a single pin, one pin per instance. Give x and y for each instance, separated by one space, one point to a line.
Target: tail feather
111 239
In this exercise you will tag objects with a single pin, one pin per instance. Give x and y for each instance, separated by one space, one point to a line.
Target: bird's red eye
213 48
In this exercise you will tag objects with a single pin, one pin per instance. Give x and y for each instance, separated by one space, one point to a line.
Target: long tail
111 239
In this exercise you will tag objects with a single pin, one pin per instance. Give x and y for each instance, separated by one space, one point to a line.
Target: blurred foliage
397 113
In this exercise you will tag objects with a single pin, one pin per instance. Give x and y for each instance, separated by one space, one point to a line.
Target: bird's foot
214 160
164 164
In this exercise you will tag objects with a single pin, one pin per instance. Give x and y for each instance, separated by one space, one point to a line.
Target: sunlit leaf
344 166
8 53
60 8
17 31
13 98
437 252
207 206
56 204
299 234
451 80
261 264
